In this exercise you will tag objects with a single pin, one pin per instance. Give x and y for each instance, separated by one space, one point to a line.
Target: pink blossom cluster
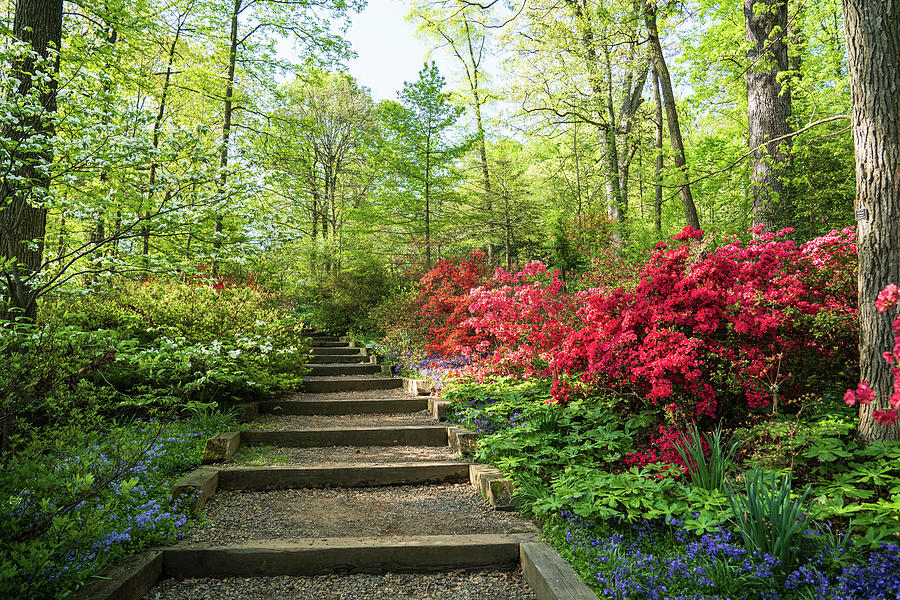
887 299
521 320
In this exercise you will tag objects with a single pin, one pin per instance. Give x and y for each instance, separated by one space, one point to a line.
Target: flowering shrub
443 303
520 319
735 324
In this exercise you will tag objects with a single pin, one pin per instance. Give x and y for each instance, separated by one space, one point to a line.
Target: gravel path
236 517
476 585
293 422
263 456
366 394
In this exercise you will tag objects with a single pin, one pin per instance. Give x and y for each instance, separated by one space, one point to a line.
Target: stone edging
220 447
417 387
493 485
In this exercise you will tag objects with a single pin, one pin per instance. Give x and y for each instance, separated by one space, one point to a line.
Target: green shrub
341 302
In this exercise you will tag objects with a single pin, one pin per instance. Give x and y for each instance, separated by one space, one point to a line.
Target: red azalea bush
520 320
735 324
442 304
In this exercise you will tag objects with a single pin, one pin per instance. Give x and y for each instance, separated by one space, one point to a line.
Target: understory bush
150 344
84 493
341 302
714 332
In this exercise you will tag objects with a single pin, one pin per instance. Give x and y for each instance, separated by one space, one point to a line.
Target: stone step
354 406
332 359
324 344
317 556
324 338
428 435
332 370
324 385
360 475
337 352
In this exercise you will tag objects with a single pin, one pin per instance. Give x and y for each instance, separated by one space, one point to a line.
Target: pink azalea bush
521 320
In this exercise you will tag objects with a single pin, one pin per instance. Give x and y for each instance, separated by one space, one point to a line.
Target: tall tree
580 60
27 141
301 21
769 109
313 151
422 151
873 53
463 30
661 73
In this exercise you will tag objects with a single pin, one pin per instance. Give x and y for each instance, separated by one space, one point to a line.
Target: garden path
357 469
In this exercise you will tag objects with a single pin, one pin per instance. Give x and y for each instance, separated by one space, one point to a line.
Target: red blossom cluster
443 303
736 322
202 278
706 330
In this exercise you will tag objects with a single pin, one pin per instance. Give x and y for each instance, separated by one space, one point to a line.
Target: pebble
395 394
346 454
294 422
446 509
455 585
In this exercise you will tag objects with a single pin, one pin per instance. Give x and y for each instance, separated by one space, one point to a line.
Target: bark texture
661 71
769 109
658 167
873 53
226 126
23 219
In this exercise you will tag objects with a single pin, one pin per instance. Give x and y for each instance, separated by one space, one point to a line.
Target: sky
389 51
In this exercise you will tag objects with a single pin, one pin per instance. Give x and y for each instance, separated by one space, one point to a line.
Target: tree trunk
873 53
476 99
226 127
657 174
661 72
603 98
507 242
23 218
769 108
428 209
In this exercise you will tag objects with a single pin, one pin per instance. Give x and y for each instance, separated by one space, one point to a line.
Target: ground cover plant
701 402
653 532
87 498
108 399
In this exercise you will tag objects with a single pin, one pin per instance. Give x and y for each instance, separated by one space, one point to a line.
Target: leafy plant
768 518
708 474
